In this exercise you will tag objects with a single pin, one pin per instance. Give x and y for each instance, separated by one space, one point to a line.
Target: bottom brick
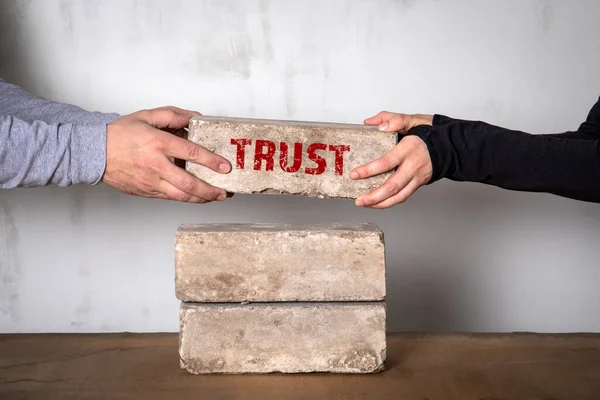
282 337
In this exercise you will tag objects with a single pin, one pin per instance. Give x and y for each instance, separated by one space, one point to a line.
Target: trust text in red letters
264 156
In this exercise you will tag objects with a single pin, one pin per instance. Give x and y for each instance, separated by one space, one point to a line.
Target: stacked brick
271 297
261 298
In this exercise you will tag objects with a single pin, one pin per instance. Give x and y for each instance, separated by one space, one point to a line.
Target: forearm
478 152
38 154
17 102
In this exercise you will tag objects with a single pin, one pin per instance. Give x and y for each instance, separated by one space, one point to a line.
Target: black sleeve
566 164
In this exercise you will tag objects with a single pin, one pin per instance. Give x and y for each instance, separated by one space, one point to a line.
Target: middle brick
279 262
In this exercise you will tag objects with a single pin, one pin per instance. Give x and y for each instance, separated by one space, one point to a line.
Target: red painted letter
321 163
268 156
241 151
283 157
339 157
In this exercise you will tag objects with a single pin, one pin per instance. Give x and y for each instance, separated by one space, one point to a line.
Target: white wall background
460 256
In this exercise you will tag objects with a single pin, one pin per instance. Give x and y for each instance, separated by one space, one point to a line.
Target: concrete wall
460 256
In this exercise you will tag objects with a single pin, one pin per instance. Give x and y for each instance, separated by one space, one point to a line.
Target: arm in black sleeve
566 165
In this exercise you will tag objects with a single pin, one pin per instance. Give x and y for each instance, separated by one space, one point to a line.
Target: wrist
88 153
421 119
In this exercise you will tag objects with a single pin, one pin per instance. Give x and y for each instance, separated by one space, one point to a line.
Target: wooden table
419 366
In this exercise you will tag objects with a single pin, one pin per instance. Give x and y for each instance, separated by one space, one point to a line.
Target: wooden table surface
419 366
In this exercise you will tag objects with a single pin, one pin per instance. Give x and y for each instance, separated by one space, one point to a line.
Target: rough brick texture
279 262
284 337
290 157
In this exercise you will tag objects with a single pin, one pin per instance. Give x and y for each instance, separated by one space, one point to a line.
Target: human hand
410 155
141 153
394 122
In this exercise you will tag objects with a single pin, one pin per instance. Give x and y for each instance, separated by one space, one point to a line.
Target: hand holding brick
289 157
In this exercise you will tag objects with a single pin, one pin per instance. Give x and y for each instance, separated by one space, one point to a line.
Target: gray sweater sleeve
44 142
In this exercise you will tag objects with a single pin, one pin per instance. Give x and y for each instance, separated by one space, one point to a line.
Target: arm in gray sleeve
43 142
17 102
38 154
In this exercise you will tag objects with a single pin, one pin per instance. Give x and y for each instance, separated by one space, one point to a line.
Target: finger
396 123
189 184
170 192
379 118
389 122
401 197
181 133
192 113
392 186
167 117
385 163
185 150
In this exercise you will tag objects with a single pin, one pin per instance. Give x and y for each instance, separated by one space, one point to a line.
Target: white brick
279 262
326 155
284 337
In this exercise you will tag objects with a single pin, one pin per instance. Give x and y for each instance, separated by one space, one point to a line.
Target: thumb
397 123
167 117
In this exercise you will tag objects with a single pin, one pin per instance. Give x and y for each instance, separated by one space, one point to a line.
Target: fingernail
353 175
383 126
359 203
224 167
222 197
